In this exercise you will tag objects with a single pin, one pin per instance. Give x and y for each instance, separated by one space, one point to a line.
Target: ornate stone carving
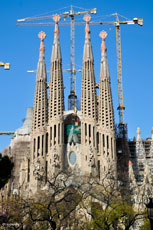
56 160
91 158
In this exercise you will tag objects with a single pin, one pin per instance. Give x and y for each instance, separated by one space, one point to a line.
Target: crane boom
7 132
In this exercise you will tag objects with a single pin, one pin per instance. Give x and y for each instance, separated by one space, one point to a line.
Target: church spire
88 105
87 54
42 36
56 50
104 72
88 90
56 90
40 100
106 113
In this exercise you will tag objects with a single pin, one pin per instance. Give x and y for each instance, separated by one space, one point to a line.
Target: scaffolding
122 153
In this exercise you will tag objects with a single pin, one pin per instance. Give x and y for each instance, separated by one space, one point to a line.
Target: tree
59 206
146 225
71 202
6 166
110 210
118 215
54 208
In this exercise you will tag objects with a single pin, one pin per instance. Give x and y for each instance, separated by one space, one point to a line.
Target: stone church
83 141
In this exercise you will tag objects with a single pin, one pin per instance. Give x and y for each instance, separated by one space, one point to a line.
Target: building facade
80 141
141 165
83 141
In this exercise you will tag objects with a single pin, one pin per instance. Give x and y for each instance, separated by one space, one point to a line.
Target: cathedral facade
79 141
83 141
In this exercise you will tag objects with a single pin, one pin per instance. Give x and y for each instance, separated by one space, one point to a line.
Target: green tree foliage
110 210
6 166
118 215
146 225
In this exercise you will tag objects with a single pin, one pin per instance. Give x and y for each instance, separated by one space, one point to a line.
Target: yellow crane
5 65
121 107
117 23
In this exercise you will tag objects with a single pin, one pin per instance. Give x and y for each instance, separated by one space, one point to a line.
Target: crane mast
121 141
121 107
72 96
72 52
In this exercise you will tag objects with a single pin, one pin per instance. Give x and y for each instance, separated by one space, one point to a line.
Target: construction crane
117 23
121 107
71 14
121 141
5 65
7 133
72 97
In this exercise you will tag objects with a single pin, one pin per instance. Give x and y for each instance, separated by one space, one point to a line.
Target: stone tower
40 113
88 104
55 146
40 100
106 127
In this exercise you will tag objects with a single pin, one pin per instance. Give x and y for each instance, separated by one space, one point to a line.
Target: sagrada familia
85 140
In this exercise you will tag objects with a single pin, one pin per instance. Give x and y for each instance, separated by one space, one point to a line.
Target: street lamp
149 207
5 65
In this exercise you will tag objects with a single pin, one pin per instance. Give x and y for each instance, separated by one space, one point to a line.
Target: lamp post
149 207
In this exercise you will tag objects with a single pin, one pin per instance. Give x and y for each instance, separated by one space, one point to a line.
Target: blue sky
20 47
